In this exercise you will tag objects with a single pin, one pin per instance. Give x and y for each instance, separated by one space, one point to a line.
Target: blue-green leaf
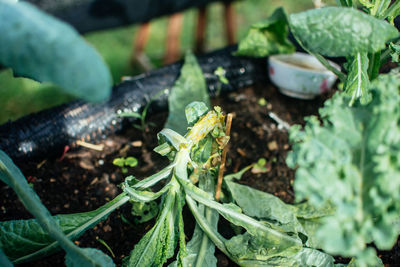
40 47
190 86
341 31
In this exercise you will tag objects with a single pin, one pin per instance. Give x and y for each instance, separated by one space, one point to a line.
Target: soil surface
85 178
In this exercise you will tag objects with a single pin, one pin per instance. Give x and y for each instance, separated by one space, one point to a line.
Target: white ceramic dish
300 75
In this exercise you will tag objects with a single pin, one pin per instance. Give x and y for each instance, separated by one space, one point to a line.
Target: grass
22 96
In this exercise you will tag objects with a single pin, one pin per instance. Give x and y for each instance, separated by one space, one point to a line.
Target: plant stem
391 10
323 61
244 219
222 166
215 237
374 65
386 54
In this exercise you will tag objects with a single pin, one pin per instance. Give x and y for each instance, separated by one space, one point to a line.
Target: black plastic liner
92 15
47 132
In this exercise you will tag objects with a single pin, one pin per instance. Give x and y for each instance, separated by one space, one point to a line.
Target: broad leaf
357 84
24 240
40 47
93 257
11 175
190 86
352 161
340 31
267 37
264 206
251 251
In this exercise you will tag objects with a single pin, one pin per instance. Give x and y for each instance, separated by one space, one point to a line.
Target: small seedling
260 166
142 116
125 162
262 102
220 72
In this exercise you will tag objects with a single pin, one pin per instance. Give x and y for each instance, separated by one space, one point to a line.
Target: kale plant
351 160
334 32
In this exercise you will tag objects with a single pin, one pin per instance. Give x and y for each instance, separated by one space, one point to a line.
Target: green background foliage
20 96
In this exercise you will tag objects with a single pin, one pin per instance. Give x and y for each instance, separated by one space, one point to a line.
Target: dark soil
86 179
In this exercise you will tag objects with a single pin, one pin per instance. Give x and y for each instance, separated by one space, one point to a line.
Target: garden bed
85 179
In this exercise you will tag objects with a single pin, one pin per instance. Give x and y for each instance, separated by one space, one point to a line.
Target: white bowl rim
277 59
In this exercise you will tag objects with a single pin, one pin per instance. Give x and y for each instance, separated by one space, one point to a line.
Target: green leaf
220 72
190 86
40 47
144 211
357 83
11 175
341 31
264 206
352 161
98 257
25 240
120 162
394 51
278 240
267 37
252 251
131 161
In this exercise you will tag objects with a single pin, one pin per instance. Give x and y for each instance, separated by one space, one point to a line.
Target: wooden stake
230 22
173 36
223 160
139 57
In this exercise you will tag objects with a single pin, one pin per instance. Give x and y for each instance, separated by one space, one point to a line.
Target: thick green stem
374 65
391 11
215 237
386 54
